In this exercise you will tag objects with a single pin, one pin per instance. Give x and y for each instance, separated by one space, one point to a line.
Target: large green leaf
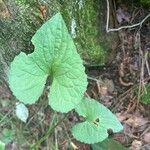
55 55
26 79
108 144
98 119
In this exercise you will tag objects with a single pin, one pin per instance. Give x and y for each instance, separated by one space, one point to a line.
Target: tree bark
19 20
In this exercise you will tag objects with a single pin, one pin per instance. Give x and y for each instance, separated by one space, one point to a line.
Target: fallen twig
146 63
122 27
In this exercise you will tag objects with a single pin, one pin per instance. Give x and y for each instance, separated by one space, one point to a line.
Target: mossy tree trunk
85 19
19 20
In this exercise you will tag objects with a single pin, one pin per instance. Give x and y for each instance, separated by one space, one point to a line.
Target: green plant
2 145
145 97
108 144
55 56
6 136
25 1
145 2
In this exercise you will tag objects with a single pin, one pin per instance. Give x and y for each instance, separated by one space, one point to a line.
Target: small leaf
108 144
7 135
145 97
2 145
98 120
55 55
22 112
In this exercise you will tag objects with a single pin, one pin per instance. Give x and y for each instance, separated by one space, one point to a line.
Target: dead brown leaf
136 121
4 12
123 15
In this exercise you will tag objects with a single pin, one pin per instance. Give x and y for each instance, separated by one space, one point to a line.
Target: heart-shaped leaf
55 55
98 119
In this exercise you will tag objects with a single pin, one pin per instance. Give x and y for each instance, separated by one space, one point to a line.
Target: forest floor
119 85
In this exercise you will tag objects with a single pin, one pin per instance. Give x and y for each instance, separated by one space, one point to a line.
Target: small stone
136 145
146 138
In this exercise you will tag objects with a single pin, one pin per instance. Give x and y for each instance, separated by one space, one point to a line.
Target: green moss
18 29
145 2
24 2
81 18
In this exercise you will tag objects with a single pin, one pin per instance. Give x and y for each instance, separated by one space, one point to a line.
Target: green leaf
98 119
26 79
22 112
108 144
7 135
145 97
2 145
55 55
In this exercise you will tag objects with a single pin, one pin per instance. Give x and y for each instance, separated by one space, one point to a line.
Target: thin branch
92 78
147 64
123 27
107 21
